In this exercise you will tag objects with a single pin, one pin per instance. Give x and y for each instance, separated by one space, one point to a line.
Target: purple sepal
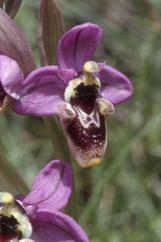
56 226
42 91
51 188
78 45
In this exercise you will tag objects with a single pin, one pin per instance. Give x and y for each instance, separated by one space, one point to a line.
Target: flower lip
86 131
87 141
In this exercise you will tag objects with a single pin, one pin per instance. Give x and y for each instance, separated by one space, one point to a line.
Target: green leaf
10 180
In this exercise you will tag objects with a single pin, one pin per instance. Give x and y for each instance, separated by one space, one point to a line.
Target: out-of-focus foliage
120 200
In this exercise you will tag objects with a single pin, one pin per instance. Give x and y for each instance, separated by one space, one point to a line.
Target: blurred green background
119 201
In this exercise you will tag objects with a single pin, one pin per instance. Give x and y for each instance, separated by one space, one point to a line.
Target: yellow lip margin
94 162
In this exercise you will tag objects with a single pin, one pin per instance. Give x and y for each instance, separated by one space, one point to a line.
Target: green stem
10 181
72 208
53 133
58 140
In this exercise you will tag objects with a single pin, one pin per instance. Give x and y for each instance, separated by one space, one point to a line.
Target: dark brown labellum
8 228
86 133
87 143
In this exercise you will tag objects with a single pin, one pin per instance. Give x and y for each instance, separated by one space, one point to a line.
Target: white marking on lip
87 119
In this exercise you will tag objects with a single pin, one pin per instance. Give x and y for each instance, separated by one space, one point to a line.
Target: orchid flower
79 90
38 216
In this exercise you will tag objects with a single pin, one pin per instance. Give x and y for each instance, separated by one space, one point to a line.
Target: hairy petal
56 226
11 76
115 86
52 187
42 91
78 45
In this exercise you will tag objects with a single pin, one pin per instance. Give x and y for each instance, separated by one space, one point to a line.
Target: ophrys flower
80 91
